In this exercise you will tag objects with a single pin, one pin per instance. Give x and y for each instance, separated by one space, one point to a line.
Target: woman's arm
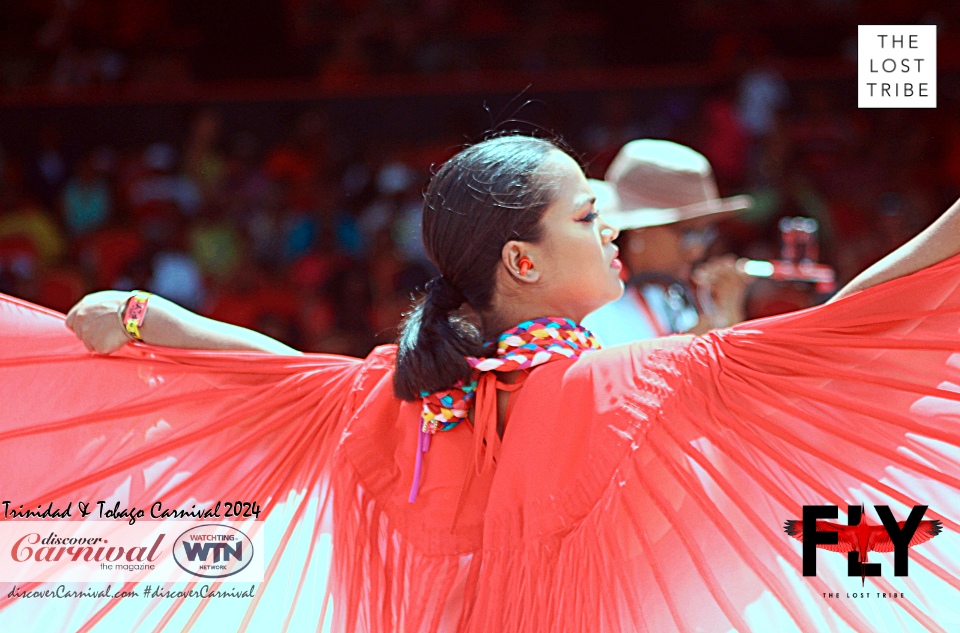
937 242
95 321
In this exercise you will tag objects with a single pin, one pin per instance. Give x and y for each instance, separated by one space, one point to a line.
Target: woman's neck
494 324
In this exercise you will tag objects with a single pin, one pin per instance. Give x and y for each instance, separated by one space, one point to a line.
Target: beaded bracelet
132 313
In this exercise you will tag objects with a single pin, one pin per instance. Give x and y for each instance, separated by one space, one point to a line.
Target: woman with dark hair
495 470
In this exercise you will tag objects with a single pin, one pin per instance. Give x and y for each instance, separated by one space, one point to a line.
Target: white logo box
897 66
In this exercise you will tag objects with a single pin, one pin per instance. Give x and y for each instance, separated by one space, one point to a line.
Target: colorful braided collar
527 345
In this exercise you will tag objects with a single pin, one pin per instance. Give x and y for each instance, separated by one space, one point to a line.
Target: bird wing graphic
925 531
846 537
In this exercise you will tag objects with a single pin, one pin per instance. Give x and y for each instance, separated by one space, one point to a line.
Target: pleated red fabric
640 488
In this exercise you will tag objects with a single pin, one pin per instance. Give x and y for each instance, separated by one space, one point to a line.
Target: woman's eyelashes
590 217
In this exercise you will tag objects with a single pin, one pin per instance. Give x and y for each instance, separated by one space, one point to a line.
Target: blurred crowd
313 238
313 249
64 44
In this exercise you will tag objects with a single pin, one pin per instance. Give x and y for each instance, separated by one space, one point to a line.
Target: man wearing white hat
664 199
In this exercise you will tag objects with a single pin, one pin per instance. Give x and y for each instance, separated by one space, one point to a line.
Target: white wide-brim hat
652 183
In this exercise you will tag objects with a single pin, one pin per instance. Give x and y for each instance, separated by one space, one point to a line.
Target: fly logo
858 537
213 551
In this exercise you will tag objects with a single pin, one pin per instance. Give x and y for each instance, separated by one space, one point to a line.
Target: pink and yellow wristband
132 313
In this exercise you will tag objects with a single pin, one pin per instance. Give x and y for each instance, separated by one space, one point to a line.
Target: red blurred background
263 163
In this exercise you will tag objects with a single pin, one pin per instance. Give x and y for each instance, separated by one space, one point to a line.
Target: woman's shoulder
379 365
610 378
382 356
627 360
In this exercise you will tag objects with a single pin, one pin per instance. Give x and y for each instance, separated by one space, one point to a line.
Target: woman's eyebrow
584 202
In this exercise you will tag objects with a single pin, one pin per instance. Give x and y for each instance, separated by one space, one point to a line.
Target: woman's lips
616 264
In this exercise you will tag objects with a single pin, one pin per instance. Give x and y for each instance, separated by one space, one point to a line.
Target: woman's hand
95 322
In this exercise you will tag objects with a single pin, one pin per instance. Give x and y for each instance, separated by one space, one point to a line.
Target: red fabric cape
640 488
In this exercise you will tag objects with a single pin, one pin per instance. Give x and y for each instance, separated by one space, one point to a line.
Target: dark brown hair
480 199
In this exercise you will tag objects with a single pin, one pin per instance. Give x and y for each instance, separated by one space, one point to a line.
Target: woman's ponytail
433 343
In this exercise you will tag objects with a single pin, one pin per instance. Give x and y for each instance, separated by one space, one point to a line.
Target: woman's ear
520 261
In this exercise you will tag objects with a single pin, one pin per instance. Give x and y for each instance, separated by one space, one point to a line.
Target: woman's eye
590 217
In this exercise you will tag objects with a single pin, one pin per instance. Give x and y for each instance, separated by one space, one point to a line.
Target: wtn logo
213 551
202 551
858 537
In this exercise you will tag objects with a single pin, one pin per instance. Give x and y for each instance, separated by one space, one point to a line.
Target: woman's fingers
71 316
80 328
94 321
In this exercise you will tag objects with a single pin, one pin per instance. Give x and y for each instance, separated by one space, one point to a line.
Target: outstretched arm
937 242
95 321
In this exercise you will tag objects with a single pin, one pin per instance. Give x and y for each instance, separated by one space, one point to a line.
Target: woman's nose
608 233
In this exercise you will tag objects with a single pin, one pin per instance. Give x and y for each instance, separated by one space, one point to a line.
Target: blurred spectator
47 168
177 277
159 183
762 93
203 161
31 221
88 196
215 244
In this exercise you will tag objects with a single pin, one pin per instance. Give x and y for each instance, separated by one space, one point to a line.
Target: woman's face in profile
576 261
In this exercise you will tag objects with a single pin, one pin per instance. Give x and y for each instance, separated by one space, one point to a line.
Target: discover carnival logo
213 551
116 551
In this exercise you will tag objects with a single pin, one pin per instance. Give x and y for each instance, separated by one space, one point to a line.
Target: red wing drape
641 488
